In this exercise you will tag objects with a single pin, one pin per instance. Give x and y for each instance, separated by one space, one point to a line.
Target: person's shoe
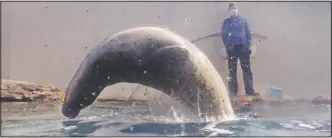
232 95
253 94
256 97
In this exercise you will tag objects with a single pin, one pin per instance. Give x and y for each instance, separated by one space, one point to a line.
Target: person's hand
223 53
253 49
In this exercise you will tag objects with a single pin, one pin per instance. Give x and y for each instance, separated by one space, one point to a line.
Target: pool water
134 119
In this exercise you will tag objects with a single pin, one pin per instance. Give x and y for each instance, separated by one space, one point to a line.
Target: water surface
134 119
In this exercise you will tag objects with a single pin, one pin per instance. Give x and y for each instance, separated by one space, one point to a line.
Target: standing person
236 36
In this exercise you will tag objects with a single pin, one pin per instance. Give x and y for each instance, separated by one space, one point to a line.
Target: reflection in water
123 119
74 128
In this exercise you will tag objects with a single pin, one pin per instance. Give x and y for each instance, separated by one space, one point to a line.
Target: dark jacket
235 31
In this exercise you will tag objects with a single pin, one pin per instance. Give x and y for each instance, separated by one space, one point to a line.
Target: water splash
215 131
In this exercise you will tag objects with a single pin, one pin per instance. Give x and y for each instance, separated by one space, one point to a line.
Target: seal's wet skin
154 57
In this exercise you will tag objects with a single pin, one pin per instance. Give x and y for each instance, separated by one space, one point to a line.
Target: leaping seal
154 57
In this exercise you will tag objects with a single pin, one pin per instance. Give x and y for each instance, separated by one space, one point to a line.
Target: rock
36 92
3 86
15 89
24 91
6 94
29 88
55 89
45 88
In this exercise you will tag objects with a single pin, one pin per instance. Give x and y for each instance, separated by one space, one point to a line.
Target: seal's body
154 57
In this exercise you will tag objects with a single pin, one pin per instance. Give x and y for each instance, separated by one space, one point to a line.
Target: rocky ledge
20 91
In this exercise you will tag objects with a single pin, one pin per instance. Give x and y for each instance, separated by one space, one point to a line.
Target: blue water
128 119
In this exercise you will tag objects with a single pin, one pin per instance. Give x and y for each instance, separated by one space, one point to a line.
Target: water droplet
144 71
94 94
133 104
85 99
139 60
177 81
152 45
210 105
229 34
81 104
185 19
131 128
108 77
69 109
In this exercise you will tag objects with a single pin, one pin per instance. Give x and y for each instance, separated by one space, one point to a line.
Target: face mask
233 12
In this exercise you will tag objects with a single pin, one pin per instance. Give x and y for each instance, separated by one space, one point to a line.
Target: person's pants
241 52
